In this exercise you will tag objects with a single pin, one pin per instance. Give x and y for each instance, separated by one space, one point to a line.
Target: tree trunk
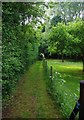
62 58
83 63
76 58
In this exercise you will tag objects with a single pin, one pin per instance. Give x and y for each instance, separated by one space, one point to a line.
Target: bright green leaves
58 38
67 39
76 29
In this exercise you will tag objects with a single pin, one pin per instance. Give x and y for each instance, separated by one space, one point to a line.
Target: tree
55 20
68 11
58 40
76 29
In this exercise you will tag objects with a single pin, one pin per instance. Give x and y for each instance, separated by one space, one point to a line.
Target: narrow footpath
31 99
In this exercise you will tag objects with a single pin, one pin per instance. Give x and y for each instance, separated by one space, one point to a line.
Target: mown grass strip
31 99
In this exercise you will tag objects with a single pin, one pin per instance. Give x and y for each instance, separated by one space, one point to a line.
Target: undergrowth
63 86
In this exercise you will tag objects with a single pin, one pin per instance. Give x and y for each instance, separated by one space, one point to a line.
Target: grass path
31 99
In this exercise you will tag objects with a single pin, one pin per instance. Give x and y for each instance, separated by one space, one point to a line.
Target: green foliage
55 20
64 87
20 45
58 39
68 11
67 39
76 29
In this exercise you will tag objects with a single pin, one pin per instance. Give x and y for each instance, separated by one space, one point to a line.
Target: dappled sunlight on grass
74 68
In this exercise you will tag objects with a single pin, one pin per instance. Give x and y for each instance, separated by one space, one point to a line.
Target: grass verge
65 84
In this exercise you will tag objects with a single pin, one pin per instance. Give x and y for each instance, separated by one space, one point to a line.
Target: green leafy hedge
20 45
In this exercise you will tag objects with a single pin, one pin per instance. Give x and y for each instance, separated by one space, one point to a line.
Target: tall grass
65 86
